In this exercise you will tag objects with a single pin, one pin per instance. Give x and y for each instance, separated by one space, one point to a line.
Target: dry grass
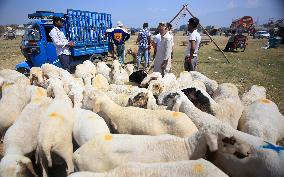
254 66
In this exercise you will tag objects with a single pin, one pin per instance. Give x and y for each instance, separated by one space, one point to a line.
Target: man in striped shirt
143 41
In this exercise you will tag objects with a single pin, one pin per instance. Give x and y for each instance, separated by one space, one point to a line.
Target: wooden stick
185 6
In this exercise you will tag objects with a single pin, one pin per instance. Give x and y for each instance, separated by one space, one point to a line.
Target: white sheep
16 165
55 135
103 69
255 93
11 75
226 105
129 68
176 100
28 123
37 77
144 99
189 168
153 76
118 75
85 70
87 125
237 152
55 90
50 71
185 79
230 105
211 85
263 119
108 151
99 82
142 121
25 128
14 98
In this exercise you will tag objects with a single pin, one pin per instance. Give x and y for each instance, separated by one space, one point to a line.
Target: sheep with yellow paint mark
256 92
263 119
133 120
55 133
108 151
21 138
88 125
189 168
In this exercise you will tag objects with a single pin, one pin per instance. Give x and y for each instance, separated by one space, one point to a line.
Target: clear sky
134 12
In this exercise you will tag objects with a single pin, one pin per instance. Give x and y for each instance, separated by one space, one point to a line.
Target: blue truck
86 29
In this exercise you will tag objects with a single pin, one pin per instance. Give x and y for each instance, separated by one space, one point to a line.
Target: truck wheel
24 71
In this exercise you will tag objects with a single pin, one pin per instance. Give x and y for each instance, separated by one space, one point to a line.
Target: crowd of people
162 43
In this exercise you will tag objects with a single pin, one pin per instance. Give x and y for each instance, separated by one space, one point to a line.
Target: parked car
261 34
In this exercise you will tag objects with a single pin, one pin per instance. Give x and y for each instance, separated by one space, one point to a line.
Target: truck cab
86 29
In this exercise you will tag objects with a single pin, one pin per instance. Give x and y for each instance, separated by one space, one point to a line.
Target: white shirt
164 50
60 41
157 39
194 36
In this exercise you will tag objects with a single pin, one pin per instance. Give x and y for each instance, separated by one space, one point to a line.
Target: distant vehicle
261 34
10 35
244 23
86 29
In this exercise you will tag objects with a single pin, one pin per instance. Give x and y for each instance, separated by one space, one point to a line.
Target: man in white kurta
164 49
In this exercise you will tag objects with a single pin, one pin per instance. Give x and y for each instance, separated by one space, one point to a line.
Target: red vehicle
245 23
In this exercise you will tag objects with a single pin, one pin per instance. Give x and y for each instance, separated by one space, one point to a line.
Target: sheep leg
42 164
66 152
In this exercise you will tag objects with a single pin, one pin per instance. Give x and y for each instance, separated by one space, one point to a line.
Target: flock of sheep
100 125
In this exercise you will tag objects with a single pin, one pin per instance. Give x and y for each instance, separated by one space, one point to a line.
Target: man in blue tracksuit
119 35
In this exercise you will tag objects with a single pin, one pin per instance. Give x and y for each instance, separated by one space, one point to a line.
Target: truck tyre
24 71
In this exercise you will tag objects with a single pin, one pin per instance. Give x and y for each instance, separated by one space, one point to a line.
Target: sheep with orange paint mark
21 138
186 168
256 92
55 135
135 120
263 119
108 151
55 131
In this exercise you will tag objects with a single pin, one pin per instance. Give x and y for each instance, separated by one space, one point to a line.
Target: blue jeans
120 49
146 57
65 61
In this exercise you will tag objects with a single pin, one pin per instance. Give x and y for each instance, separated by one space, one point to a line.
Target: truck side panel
87 30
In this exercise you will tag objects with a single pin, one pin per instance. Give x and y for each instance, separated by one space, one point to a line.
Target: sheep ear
212 141
97 108
172 95
177 103
130 102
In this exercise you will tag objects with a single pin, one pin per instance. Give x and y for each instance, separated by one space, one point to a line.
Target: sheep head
16 165
156 87
36 76
140 100
199 100
171 99
231 145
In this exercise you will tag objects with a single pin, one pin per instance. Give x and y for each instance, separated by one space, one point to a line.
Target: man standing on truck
61 43
119 35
